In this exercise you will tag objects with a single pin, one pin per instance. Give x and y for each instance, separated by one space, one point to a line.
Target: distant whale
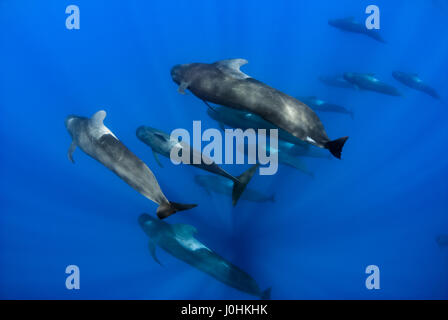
303 151
368 81
324 106
286 156
224 186
161 143
179 241
351 25
223 83
413 81
95 139
337 81
442 240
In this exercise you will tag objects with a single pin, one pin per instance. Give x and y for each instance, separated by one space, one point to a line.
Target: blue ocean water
383 204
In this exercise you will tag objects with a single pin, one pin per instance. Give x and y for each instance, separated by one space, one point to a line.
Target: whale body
337 81
223 83
368 81
224 186
324 106
96 140
162 143
412 80
179 241
351 25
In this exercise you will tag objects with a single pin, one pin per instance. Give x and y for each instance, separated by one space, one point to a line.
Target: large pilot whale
413 81
369 81
351 25
223 83
162 143
179 241
96 140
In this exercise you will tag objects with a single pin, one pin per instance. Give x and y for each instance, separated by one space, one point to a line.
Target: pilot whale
223 83
413 81
320 105
368 81
351 25
337 81
285 156
224 186
96 140
179 241
161 143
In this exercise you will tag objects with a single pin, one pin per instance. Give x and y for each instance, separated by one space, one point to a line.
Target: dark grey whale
161 143
337 81
368 81
96 140
179 241
413 81
320 105
351 25
223 83
224 186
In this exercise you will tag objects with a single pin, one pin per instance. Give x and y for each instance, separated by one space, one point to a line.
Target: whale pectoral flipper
167 209
156 156
152 250
70 151
183 85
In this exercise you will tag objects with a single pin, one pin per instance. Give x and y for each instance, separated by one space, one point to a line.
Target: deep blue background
383 204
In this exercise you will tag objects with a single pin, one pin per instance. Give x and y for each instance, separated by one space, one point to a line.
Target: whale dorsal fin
184 230
232 67
98 117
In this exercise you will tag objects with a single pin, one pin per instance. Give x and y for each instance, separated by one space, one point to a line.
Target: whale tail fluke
352 115
266 294
240 185
167 209
335 146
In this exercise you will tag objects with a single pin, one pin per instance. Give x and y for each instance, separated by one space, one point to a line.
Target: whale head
178 72
153 137
72 123
149 224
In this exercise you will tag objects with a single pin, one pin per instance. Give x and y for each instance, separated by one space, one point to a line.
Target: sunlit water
383 203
